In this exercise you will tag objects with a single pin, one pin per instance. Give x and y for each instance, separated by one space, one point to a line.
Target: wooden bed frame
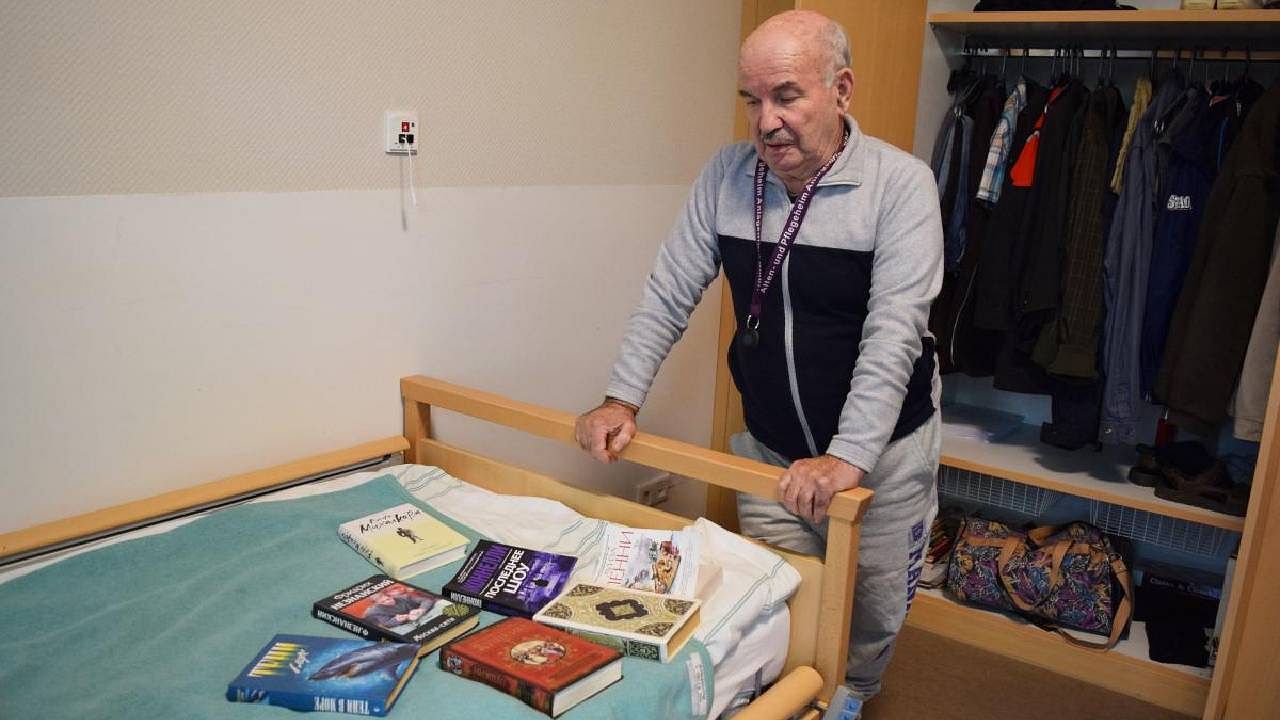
820 609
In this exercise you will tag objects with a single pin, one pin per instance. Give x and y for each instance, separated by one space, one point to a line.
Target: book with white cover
404 540
635 623
657 561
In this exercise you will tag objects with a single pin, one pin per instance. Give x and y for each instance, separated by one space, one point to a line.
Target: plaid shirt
998 155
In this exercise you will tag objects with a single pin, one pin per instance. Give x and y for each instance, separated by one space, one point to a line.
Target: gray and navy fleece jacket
845 363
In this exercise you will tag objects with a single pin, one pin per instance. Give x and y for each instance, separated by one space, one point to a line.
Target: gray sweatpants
895 531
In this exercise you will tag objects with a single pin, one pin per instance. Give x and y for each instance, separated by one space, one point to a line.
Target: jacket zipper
789 345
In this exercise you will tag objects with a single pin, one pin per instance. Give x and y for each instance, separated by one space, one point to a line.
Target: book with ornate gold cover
640 624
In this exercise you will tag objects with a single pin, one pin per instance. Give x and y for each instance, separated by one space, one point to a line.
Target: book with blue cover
305 672
509 580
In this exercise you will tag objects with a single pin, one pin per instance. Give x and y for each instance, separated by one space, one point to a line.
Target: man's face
793 114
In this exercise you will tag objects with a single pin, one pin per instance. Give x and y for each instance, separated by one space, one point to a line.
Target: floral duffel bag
1067 576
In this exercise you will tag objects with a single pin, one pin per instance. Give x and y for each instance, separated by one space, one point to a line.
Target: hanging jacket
993 286
993 172
1249 406
948 321
1227 113
1125 267
1141 99
1186 174
1069 345
1077 403
951 165
1037 252
1209 334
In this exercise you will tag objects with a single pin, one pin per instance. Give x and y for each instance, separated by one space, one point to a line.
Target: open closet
996 460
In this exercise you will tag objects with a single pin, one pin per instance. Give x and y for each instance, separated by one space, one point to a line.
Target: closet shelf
1125 668
1022 458
1124 29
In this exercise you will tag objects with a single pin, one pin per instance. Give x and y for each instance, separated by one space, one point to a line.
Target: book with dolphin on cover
305 672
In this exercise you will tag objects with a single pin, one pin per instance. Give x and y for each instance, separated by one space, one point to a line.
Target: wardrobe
900 47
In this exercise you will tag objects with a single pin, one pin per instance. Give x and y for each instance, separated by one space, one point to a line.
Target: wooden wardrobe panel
1246 681
887 39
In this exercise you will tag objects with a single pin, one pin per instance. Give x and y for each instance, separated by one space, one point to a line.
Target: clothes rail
1186 54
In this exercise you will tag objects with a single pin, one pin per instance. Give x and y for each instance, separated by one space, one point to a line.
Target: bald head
794 76
807 32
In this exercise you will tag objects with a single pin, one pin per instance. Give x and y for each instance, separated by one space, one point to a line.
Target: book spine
365 551
466 667
364 630
484 604
307 702
626 646
465 599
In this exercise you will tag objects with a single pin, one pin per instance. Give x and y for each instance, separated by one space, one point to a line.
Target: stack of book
562 644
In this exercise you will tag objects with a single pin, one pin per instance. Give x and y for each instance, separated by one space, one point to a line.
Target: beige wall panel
161 97
155 341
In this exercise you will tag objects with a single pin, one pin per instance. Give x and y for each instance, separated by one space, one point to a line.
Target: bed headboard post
417 426
839 575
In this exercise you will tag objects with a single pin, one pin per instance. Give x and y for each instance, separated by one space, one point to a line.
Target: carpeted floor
934 678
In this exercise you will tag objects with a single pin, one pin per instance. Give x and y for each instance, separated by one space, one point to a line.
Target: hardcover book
639 624
509 580
658 561
303 672
549 670
403 541
381 608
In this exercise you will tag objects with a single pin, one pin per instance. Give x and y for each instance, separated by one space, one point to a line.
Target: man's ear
844 88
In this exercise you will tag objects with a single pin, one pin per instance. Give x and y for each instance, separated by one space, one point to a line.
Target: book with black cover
381 608
509 580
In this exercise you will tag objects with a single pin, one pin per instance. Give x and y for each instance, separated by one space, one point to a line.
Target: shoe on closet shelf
1211 489
1184 456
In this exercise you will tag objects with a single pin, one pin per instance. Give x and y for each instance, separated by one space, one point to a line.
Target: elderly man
831 241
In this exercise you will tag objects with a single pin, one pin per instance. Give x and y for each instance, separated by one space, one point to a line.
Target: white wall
172 316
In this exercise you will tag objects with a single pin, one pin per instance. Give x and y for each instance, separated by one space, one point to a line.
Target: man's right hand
605 431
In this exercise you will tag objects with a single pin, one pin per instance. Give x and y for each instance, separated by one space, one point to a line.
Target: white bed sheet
745 623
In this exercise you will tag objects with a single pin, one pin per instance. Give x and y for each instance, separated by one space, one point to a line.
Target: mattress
745 621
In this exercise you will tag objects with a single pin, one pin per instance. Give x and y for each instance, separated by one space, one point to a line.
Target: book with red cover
547 669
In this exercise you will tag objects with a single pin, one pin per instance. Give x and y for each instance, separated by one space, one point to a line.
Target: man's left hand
806 488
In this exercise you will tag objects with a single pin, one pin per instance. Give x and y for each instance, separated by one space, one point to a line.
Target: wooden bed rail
826 631
792 693
98 522
716 468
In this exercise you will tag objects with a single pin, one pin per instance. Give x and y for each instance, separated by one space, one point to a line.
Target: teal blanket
157 626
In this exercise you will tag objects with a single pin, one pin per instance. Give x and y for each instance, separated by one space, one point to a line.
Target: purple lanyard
764 280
